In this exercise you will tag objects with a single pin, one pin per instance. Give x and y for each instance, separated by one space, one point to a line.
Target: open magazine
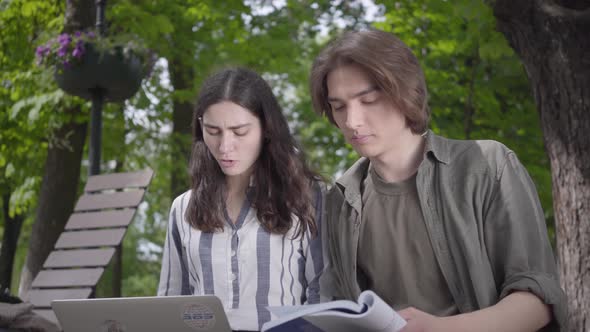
369 313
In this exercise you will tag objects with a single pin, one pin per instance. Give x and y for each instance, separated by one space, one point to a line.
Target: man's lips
360 138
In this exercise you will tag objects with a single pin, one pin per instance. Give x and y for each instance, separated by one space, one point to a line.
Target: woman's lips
227 163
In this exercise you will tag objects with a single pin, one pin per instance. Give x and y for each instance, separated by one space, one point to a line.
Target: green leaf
9 170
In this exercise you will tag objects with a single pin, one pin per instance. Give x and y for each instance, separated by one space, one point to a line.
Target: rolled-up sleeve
517 241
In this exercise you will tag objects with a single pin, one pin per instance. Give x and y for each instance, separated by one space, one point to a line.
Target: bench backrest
91 237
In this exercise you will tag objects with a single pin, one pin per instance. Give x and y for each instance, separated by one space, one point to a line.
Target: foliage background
478 90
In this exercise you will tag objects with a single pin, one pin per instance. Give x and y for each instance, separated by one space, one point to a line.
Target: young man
449 232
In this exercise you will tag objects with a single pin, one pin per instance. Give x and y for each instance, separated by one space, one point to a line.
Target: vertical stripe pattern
245 266
206 259
235 240
263 275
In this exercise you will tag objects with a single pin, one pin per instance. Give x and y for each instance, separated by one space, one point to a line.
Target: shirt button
233 253
232 276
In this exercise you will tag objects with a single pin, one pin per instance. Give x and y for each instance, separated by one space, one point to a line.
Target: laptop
203 313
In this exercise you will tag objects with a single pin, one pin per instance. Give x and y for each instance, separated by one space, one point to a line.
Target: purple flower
39 54
79 50
62 52
40 51
64 38
67 51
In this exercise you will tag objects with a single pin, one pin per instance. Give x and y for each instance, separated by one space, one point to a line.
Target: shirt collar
436 146
350 181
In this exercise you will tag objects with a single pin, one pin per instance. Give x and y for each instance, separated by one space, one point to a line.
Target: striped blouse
245 266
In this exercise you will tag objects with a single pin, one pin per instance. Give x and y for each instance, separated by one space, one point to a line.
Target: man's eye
240 132
369 100
337 108
212 132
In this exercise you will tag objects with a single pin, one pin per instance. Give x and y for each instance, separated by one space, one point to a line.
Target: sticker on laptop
112 326
198 316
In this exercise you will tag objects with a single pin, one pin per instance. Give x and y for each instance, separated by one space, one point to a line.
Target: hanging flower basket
118 77
84 64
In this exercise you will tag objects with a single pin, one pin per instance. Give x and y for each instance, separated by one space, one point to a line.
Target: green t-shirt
395 256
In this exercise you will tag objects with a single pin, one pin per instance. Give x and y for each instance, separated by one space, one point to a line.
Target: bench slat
67 278
79 258
138 179
115 200
41 298
101 219
91 238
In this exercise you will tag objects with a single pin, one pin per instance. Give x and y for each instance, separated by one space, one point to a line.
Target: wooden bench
92 236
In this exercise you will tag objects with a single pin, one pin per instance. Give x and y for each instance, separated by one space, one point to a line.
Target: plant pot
118 76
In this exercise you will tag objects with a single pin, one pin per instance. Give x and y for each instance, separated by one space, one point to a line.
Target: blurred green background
477 86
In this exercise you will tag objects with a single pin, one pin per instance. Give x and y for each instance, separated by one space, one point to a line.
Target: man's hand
419 321
517 312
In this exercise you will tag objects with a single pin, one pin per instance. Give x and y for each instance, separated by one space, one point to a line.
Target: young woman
247 230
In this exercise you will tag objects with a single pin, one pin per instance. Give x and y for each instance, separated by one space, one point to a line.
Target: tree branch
553 9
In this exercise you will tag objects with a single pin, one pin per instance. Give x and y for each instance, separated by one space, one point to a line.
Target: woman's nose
226 143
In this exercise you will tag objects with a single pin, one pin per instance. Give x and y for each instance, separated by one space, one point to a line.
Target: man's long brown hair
389 62
283 182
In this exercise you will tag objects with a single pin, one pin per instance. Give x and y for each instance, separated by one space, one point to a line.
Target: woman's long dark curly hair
283 182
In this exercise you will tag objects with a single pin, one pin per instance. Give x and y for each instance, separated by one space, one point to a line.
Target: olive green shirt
395 258
483 218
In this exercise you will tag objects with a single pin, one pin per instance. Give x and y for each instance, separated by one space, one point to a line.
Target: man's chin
365 152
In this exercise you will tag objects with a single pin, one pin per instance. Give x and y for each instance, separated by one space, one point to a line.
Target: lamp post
94 150
97 102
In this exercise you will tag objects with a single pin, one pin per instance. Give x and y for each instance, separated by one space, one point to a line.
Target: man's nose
354 116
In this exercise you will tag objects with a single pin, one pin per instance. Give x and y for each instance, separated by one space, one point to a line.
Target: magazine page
289 318
293 311
370 314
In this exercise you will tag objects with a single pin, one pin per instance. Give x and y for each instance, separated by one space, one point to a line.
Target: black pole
98 98
100 22
97 101
95 131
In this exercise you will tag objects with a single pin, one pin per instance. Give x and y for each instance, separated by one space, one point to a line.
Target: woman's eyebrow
208 125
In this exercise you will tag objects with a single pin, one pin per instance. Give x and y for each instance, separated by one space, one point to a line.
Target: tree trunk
182 115
12 227
552 37
62 169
